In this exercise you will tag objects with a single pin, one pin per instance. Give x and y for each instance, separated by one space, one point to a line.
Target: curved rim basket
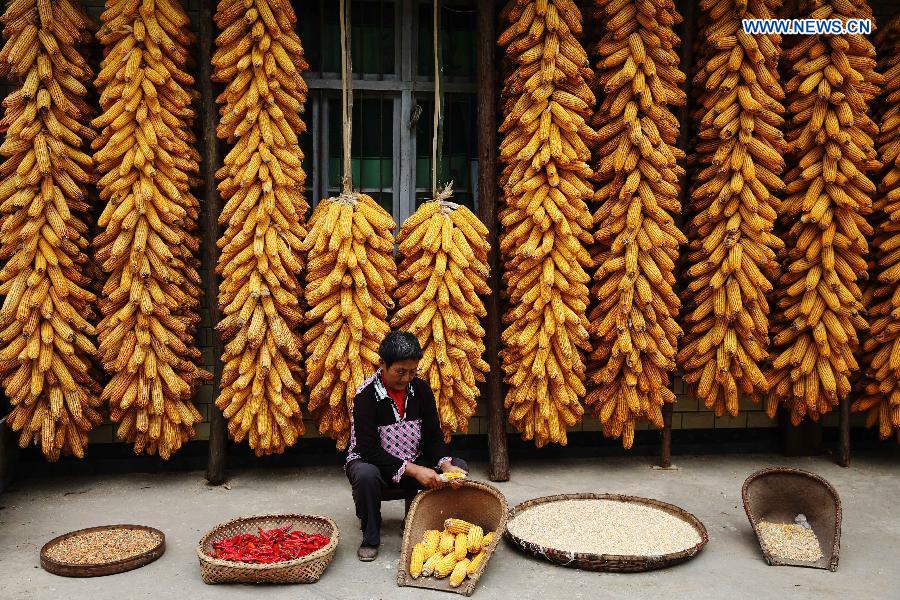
609 562
306 569
831 528
106 568
467 588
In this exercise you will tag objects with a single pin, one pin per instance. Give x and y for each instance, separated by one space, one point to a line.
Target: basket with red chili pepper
268 548
275 545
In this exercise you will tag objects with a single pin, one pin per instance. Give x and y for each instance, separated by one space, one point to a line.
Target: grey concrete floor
730 567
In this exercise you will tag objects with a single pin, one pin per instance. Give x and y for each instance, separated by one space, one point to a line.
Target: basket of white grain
606 532
796 516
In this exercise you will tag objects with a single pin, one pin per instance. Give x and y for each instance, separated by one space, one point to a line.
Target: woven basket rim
468 586
578 558
322 552
754 519
137 558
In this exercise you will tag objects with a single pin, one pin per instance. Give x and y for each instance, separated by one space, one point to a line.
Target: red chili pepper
273 545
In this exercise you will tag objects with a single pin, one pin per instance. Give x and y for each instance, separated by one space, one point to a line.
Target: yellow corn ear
475 562
447 543
431 540
417 561
445 566
475 539
455 526
460 570
461 546
431 563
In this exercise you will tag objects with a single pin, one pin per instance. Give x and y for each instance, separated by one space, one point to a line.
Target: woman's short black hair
398 346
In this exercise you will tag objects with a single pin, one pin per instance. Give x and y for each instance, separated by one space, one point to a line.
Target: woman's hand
428 478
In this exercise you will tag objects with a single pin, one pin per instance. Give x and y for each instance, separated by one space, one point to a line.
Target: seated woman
395 436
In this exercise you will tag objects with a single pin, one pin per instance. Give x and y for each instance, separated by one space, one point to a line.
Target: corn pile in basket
148 163
880 387
48 312
633 328
545 220
350 277
260 58
457 551
829 196
732 262
443 269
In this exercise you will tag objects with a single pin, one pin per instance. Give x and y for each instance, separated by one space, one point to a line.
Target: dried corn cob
148 245
351 275
460 571
475 539
445 566
456 526
417 561
475 563
461 546
732 261
633 326
431 540
546 222
447 542
47 359
880 389
431 563
824 215
488 538
442 271
260 58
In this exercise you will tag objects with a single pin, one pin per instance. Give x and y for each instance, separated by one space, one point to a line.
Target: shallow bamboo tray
779 494
306 569
101 569
609 562
474 501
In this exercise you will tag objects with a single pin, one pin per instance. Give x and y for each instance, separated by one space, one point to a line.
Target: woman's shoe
367 553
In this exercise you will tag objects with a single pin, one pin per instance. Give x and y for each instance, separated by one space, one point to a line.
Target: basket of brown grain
103 550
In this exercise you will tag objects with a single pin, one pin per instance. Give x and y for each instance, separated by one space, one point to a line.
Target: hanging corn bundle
546 222
880 387
146 156
350 278
633 324
732 261
443 268
260 58
833 79
47 355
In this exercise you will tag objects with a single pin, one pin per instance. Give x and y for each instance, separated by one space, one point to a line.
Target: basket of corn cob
450 535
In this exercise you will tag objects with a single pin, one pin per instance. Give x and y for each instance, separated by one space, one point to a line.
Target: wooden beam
486 72
209 225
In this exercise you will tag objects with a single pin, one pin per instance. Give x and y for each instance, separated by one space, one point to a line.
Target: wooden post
684 135
215 465
665 452
843 458
486 75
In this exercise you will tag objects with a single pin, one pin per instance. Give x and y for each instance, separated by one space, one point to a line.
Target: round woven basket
101 569
609 562
307 569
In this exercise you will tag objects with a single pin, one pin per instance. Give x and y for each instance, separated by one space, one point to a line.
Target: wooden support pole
486 74
843 458
215 465
684 135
